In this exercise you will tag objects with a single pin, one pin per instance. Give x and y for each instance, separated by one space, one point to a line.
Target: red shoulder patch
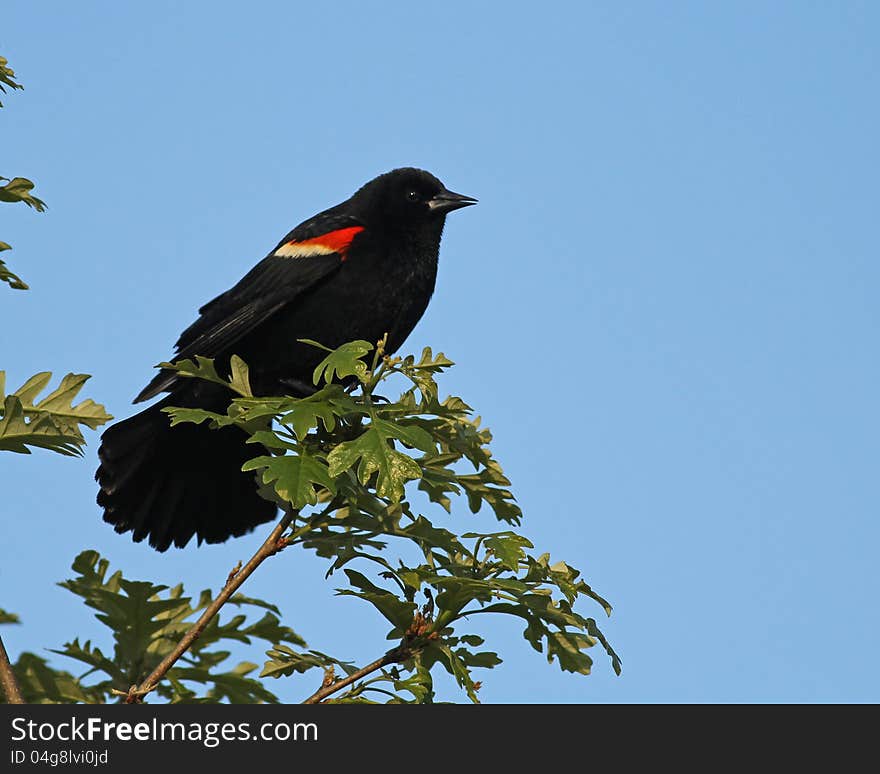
332 242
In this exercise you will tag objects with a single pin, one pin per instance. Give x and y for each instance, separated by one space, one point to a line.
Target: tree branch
272 545
391 657
7 678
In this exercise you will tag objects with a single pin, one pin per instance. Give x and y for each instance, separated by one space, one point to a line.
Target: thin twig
273 544
391 657
8 679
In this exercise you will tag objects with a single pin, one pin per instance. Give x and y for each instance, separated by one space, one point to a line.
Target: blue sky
664 305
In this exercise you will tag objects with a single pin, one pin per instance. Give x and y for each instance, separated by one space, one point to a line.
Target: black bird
356 271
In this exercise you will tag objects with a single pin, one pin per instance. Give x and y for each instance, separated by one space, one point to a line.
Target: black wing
272 284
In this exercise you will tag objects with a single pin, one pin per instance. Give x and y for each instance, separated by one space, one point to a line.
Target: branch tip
232 573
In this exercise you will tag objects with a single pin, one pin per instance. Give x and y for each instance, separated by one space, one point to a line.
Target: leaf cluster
53 422
146 621
16 189
349 462
351 467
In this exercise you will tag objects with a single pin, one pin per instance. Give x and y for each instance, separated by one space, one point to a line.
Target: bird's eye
413 196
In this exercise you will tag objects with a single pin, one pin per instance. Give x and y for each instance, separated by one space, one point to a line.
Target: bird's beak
447 201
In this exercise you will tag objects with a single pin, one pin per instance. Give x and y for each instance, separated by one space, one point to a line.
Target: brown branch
420 630
391 657
8 679
273 544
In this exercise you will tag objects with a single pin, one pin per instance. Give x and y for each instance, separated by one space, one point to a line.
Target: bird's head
406 198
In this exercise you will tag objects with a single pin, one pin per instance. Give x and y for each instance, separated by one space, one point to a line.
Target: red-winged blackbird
361 269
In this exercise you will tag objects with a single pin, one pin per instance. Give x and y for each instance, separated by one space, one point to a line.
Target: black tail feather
170 484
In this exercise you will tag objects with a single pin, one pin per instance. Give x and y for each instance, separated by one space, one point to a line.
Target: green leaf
458 668
594 632
568 649
297 478
422 373
430 537
399 612
241 599
307 413
7 77
433 363
51 423
439 482
373 452
284 661
94 658
419 685
197 416
485 659
8 276
487 487
410 434
555 625
342 361
59 403
8 618
240 377
233 686
18 431
41 684
18 189
507 547
268 628
204 368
